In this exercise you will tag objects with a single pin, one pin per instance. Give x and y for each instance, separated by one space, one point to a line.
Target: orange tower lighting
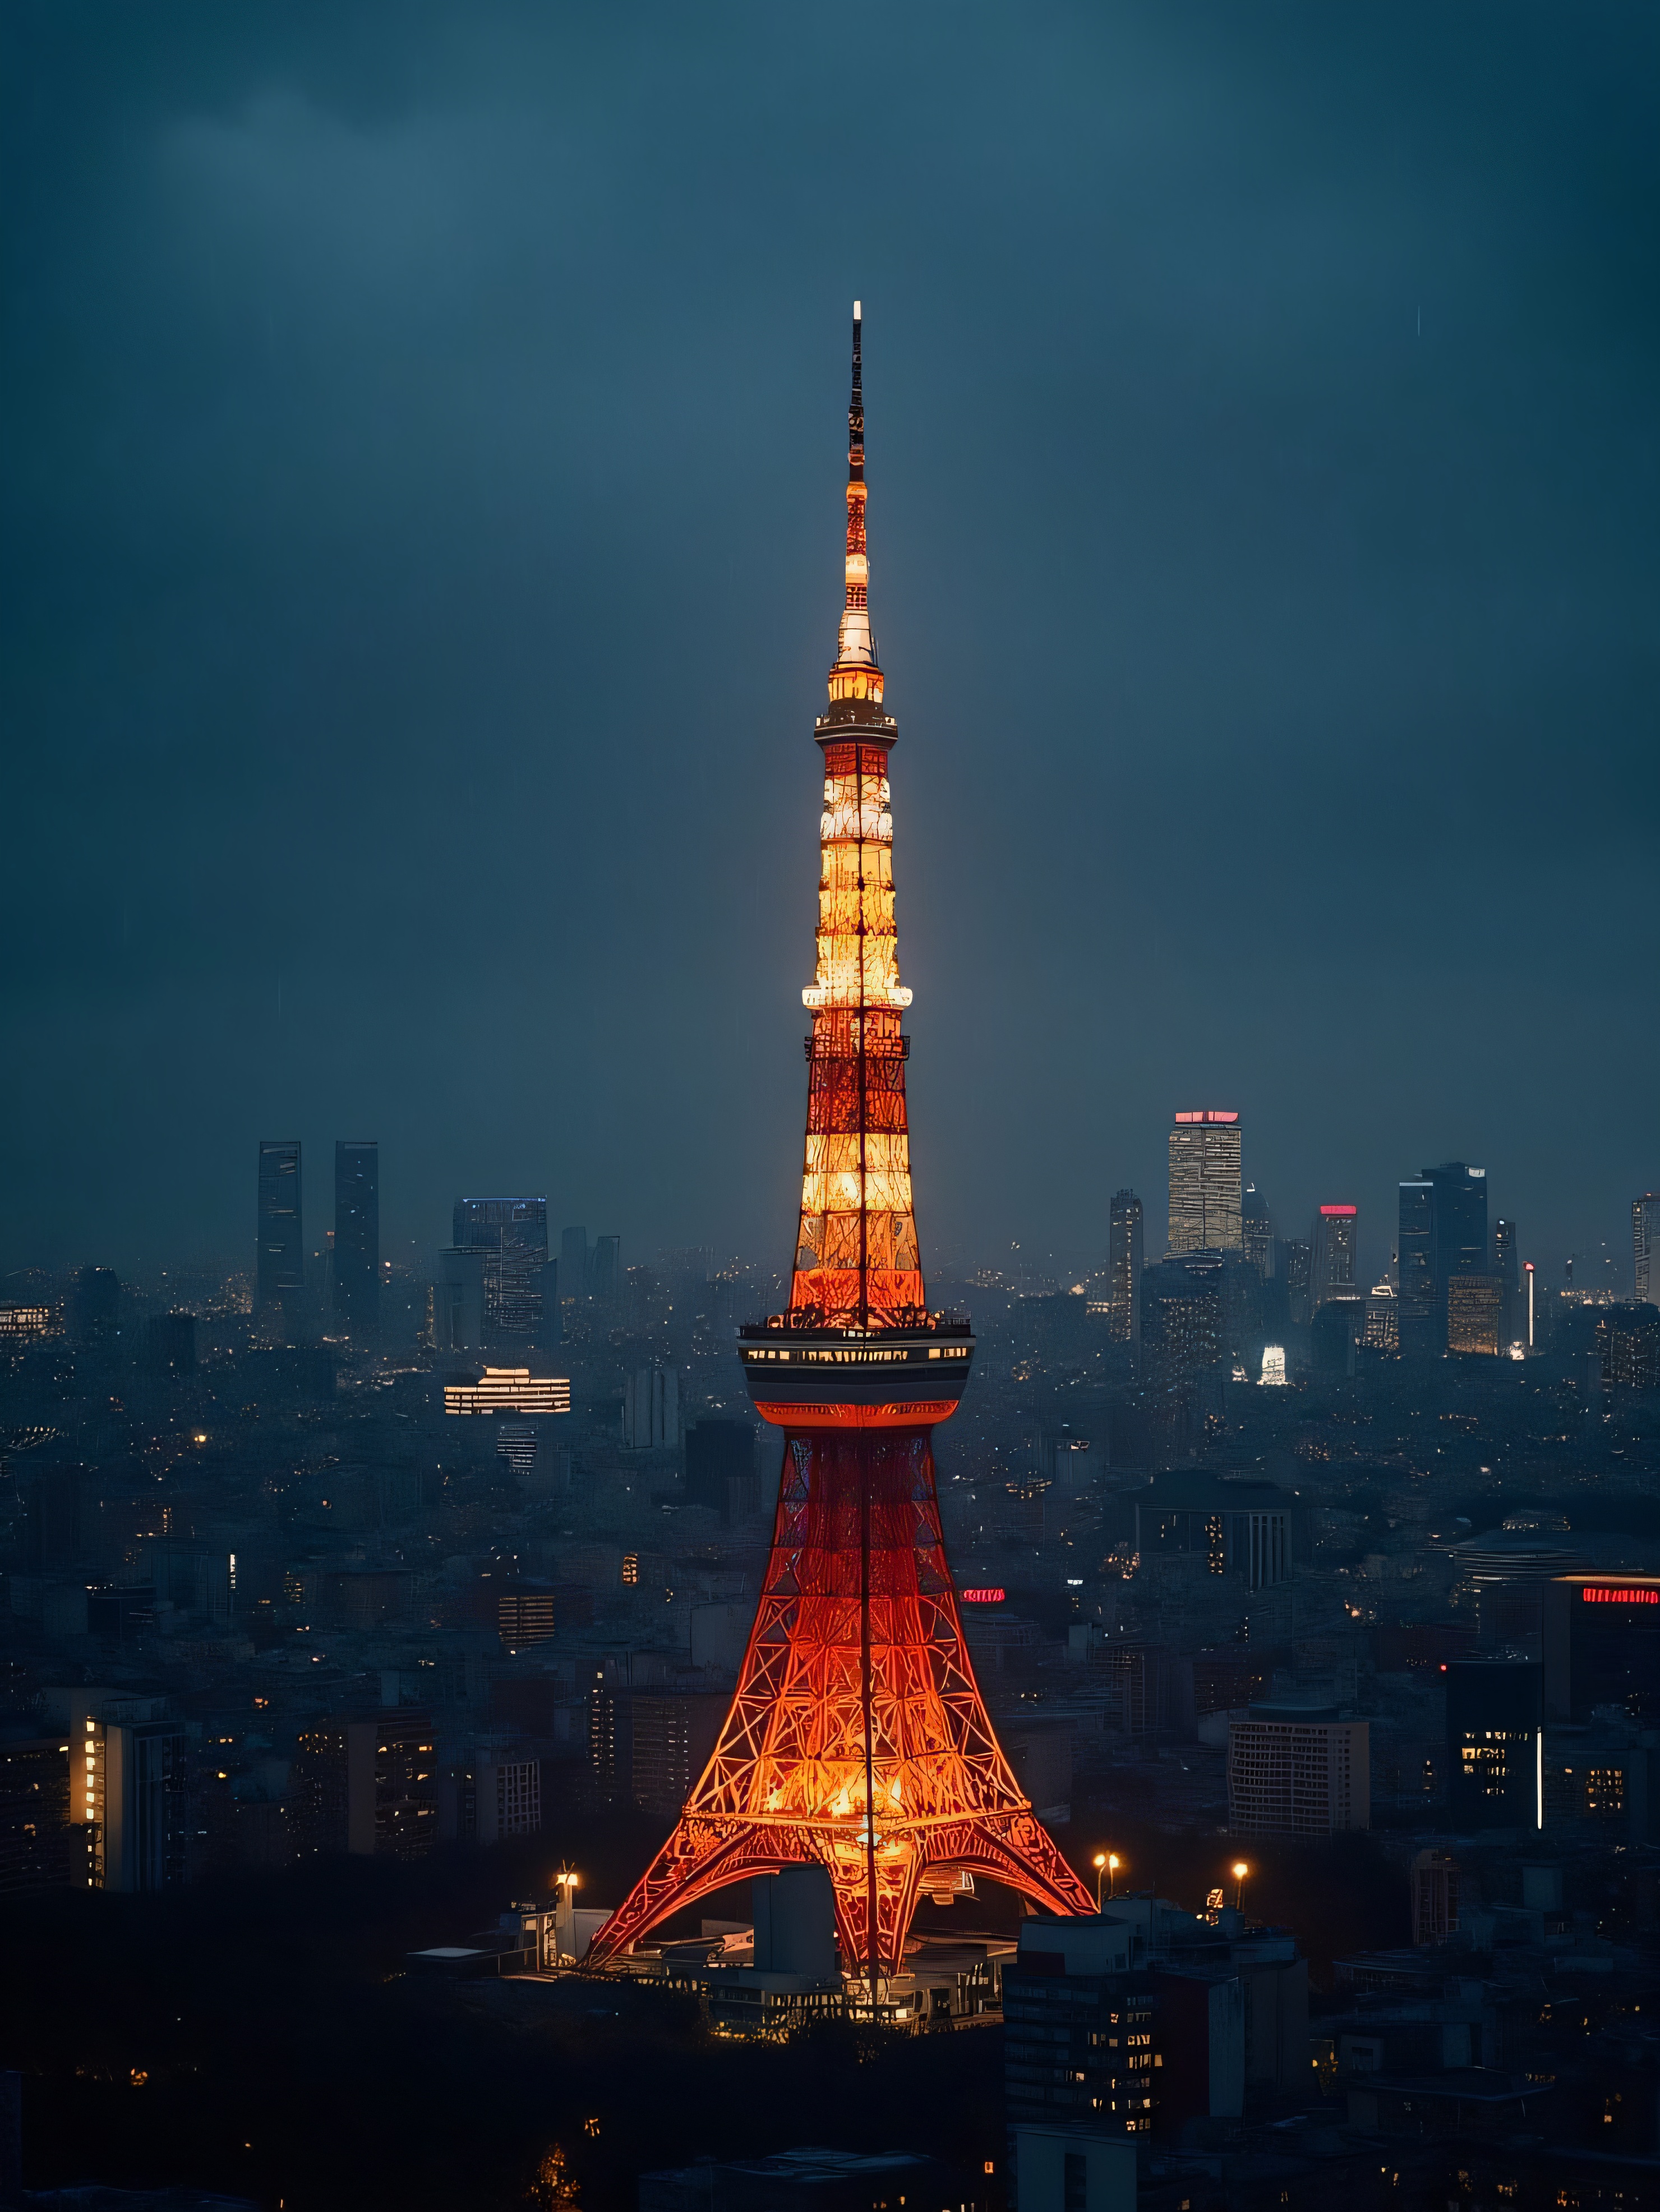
857 1738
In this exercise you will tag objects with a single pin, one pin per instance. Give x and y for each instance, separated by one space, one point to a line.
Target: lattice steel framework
857 1736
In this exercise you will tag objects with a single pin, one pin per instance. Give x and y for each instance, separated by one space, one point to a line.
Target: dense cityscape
1157 1713
1257 1562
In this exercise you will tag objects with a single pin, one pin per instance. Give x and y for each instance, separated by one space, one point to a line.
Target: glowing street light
1240 1870
1106 1863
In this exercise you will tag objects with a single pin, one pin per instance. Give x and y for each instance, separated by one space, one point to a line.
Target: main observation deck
855 1378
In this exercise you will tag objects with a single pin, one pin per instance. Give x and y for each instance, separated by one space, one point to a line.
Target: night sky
424 442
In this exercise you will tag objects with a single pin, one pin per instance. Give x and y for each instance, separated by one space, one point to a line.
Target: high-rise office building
1495 1710
458 1302
1205 1194
512 1235
574 1263
127 1786
1505 1267
1646 1247
605 1269
357 1235
1184 1331
651 1409
1628 1346
1331 1254
280 1269
1443 1233
1296 1257
1476 1315
1124 1268
1256 1228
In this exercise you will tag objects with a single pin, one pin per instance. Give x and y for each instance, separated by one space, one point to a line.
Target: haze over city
418 574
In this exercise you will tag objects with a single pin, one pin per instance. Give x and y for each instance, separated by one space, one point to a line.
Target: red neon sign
981 1596
1340 1209
1619 1596
1208 1115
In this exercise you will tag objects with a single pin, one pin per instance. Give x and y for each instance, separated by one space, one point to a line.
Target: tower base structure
857 1737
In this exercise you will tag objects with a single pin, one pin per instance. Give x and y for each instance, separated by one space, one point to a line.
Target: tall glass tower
357 1235
280 1257
512 1234
1124 1268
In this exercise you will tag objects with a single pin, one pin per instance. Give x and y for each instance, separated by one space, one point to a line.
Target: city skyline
501 1635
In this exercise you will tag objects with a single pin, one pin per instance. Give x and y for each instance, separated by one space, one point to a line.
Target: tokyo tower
857 1736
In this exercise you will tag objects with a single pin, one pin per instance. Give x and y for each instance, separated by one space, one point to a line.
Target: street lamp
1240 1870
1100 1868
1106 1863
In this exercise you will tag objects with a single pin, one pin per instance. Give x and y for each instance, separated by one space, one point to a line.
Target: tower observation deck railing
804 1321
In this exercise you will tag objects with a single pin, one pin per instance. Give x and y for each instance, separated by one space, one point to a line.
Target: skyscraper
1646 1247
1295 1255
1504 1265
857 1739
1332 1249
280 1262
573 1263
605 1269
511 1235
1443 1233
1204 1192
1256 1228
1184 1321
1124 1268
458 1302
358 1235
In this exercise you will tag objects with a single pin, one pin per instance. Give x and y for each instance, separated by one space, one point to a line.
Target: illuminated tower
1205 1193
857 1737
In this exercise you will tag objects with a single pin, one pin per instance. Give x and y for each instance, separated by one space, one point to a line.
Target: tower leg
857 1736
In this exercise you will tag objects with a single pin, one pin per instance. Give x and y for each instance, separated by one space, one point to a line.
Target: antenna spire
855 675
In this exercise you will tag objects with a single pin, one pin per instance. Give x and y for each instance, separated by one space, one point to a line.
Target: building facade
1476 1315
1332 1262
1495 1745
1293 1772
280 1256
1206 1193
1628 1343
1124 1268
511 1237
1646 1247
1443 1234
1257 1227
358 1235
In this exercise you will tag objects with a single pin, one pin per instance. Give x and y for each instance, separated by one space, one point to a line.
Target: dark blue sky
423 460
